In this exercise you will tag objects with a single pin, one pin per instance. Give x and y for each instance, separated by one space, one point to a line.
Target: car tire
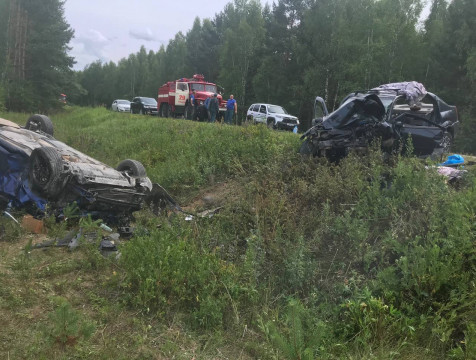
133 167
307 148
165 110
169 113
270 123
45 170
141 112
40 122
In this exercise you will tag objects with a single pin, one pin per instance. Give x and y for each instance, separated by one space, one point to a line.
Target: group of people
212 108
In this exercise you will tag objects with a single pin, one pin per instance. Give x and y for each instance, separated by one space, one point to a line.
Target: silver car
121 105
274 116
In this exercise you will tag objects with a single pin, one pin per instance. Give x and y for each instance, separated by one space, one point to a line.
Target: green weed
67 326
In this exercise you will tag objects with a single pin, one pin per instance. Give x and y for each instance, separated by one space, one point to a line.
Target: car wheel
446 142
270 124
141 112
165 110
133 167
169 111
40 123
307 148
45 170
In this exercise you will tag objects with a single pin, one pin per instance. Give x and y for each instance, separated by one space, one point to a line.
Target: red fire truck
174 96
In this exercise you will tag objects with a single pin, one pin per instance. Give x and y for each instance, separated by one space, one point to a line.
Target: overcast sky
112 29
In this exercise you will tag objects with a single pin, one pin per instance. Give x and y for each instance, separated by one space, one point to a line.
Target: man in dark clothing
213 108
207 105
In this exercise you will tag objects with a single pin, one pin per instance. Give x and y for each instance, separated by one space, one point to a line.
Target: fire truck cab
174 97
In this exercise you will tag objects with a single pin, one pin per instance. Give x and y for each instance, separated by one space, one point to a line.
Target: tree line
34 63
285 53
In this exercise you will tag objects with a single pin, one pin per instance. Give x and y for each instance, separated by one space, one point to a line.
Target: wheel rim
41 171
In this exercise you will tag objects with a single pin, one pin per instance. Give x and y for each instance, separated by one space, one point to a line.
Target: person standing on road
213 108
231 108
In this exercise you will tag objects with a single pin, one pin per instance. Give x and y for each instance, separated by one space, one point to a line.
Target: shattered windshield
386 101
358 108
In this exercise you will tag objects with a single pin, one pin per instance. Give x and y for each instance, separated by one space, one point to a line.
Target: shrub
67 326
166 271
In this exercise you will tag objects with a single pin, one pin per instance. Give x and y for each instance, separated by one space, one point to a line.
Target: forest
285 53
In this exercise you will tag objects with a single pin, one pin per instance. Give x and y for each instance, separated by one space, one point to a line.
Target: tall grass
177 153
375 258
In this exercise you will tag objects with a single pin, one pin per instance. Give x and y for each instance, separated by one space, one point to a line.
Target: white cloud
109 30
146 34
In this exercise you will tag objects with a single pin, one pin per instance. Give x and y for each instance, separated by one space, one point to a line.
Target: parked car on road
121 105
392 113
274 116
36 169
144 106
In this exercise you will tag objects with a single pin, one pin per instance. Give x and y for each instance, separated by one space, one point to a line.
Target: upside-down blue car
36 170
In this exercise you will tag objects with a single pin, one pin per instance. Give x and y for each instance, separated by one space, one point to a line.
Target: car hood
355 110
284 116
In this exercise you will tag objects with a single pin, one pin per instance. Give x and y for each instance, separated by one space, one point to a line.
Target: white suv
274 116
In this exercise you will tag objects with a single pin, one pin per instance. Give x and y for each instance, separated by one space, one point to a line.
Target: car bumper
286 126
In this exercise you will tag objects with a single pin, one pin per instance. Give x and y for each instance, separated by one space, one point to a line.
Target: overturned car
36 170
391 113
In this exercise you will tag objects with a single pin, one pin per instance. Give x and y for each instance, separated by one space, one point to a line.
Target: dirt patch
212 197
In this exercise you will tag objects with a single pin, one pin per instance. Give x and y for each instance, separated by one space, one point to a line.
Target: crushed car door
419 124
425 137
181 93
320 108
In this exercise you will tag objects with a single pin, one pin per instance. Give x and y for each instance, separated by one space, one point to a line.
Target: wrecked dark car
391 113
37 171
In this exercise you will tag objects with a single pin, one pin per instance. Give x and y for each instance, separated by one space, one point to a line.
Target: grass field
305 259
